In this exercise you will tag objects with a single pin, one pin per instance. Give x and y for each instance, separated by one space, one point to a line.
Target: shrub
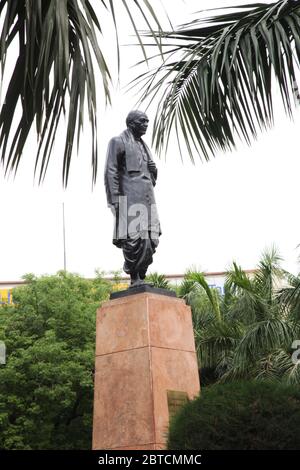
240 416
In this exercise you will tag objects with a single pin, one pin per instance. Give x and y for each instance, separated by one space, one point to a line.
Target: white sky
230 208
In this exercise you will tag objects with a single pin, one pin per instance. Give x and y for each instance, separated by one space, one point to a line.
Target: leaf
57 39
235 56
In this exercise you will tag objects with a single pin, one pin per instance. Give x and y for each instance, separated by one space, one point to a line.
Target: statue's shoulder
116 139
116 143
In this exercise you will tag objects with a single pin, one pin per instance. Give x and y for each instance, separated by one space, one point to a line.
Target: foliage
46 387
54 73
216 83
215 337
289 296
249 331
239 416
158 280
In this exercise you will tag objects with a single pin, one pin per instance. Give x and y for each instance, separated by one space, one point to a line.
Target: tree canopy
46 385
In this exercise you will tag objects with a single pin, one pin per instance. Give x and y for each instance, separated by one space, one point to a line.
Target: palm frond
237 281
289 296
194 280
158 280
292 374
202 311
186 287
265 367
218 81
246 309
216 342
248 299
288 370
264 336
54 74
268 274
274 366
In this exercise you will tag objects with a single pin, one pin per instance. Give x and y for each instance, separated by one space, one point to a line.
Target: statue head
137 121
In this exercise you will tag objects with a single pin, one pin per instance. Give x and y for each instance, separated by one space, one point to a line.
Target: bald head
133 116
137 121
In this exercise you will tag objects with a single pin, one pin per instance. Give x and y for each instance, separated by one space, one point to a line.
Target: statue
130 175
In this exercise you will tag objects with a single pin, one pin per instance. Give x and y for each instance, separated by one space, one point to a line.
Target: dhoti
138 254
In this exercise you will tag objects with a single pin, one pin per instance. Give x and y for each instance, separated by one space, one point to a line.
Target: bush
239 416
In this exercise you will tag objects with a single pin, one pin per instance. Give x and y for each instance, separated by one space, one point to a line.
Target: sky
231 208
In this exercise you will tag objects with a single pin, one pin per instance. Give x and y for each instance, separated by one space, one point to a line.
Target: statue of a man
130 175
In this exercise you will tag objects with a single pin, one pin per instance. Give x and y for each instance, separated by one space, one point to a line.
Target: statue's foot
137 283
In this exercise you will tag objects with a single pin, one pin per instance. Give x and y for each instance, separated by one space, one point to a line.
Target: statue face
140 124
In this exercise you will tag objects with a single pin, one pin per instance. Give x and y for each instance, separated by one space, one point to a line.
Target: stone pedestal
145 352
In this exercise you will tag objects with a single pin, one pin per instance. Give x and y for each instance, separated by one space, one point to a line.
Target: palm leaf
158 280
249 300
218 341
264 336
217 80
54 74
194 280
289 296
264 367
289 371
268 274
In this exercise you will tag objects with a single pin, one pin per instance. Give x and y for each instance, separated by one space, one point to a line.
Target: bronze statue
130 175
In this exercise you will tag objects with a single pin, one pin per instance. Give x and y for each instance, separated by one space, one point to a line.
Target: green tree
216 335
216 82
249 331
46 386
56 42
265 350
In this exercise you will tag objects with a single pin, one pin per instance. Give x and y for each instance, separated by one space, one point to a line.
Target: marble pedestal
145 355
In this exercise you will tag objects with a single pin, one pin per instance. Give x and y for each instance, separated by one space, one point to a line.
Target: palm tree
269 330
249 331
289 297
158 280
54 73
216 336
216 83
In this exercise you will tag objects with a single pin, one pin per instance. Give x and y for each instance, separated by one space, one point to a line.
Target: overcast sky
230 208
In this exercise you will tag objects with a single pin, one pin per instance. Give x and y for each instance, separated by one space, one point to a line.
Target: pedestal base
145 352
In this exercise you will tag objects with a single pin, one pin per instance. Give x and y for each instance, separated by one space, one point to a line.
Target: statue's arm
112 170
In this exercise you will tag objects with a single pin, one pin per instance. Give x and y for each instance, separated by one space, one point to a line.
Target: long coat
130 171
